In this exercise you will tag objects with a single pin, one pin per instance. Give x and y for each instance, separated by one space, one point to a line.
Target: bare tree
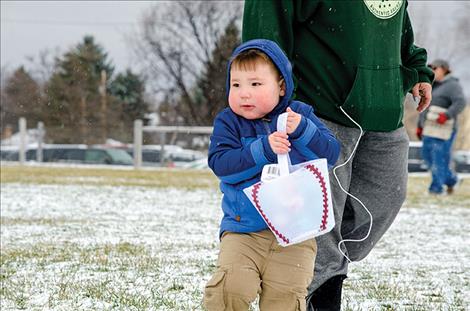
444 33
175 43
42 66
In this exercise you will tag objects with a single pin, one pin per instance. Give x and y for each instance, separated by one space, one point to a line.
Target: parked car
149 157
182 157
415 158
197 164
174 156
73 154
462 161
8 154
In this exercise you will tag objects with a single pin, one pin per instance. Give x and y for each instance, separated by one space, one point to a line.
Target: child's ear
282 92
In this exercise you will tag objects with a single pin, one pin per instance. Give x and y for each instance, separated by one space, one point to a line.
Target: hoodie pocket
410 78
376 97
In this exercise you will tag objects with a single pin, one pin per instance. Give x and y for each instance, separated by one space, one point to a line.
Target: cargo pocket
301 304
376 98
214 292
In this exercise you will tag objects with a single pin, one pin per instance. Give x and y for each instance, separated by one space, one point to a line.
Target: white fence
23 141
137 144
138 134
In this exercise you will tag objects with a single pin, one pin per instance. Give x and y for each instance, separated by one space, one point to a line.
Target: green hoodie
357 54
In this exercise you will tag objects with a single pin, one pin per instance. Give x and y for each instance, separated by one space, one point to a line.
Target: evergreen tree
73 94
128 92
21 97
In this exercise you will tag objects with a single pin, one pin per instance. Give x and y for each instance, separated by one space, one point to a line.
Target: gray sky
28 27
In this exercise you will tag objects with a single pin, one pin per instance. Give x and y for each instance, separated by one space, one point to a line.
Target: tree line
82 100
182 47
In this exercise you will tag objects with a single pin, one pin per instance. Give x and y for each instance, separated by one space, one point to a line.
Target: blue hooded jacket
239 147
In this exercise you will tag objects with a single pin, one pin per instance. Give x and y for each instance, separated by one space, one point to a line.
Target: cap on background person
440 63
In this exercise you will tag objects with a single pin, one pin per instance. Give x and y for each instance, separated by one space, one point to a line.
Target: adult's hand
422 89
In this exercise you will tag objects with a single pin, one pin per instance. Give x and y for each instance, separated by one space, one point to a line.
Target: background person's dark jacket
446 94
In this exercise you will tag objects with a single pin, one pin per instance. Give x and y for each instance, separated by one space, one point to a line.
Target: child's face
254 93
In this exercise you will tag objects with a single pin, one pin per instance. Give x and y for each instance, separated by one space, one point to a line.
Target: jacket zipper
266 125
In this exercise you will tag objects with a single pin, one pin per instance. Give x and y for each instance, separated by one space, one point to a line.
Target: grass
417 194
123 276
187 179
179 178
103 239
418 184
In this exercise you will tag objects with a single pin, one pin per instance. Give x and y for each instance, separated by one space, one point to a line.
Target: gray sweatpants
377 175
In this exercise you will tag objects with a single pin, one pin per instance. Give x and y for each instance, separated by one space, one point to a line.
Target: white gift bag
294 200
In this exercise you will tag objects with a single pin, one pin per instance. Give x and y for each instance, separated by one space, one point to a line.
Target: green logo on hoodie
384 9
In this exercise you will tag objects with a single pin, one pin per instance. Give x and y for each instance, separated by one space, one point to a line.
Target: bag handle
283 160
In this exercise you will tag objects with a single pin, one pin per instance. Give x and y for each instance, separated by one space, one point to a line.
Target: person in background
244 139
351 59
437 127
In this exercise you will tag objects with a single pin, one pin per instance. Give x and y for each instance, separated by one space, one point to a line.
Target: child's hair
248 59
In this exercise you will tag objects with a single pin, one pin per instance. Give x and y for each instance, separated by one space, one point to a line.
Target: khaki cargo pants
254 263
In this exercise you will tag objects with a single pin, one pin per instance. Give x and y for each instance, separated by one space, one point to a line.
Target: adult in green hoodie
352 60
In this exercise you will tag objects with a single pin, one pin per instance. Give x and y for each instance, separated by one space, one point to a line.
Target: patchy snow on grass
79 247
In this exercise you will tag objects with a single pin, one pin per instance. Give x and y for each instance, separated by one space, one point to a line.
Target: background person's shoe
328 296
451 189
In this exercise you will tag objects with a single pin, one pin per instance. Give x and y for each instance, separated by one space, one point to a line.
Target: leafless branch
175 43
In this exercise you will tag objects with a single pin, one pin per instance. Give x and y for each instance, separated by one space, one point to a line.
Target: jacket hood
279 59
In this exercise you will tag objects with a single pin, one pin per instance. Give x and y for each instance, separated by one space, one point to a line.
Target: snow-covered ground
71 247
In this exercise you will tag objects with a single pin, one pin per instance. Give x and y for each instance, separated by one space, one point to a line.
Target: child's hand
279 142
293 120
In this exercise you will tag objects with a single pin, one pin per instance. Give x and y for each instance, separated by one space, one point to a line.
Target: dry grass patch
164 177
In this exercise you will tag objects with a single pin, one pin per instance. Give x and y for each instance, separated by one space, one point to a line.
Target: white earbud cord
352 196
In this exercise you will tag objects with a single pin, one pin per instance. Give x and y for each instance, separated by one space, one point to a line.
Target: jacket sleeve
315 139
457 100
412 56
230 160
